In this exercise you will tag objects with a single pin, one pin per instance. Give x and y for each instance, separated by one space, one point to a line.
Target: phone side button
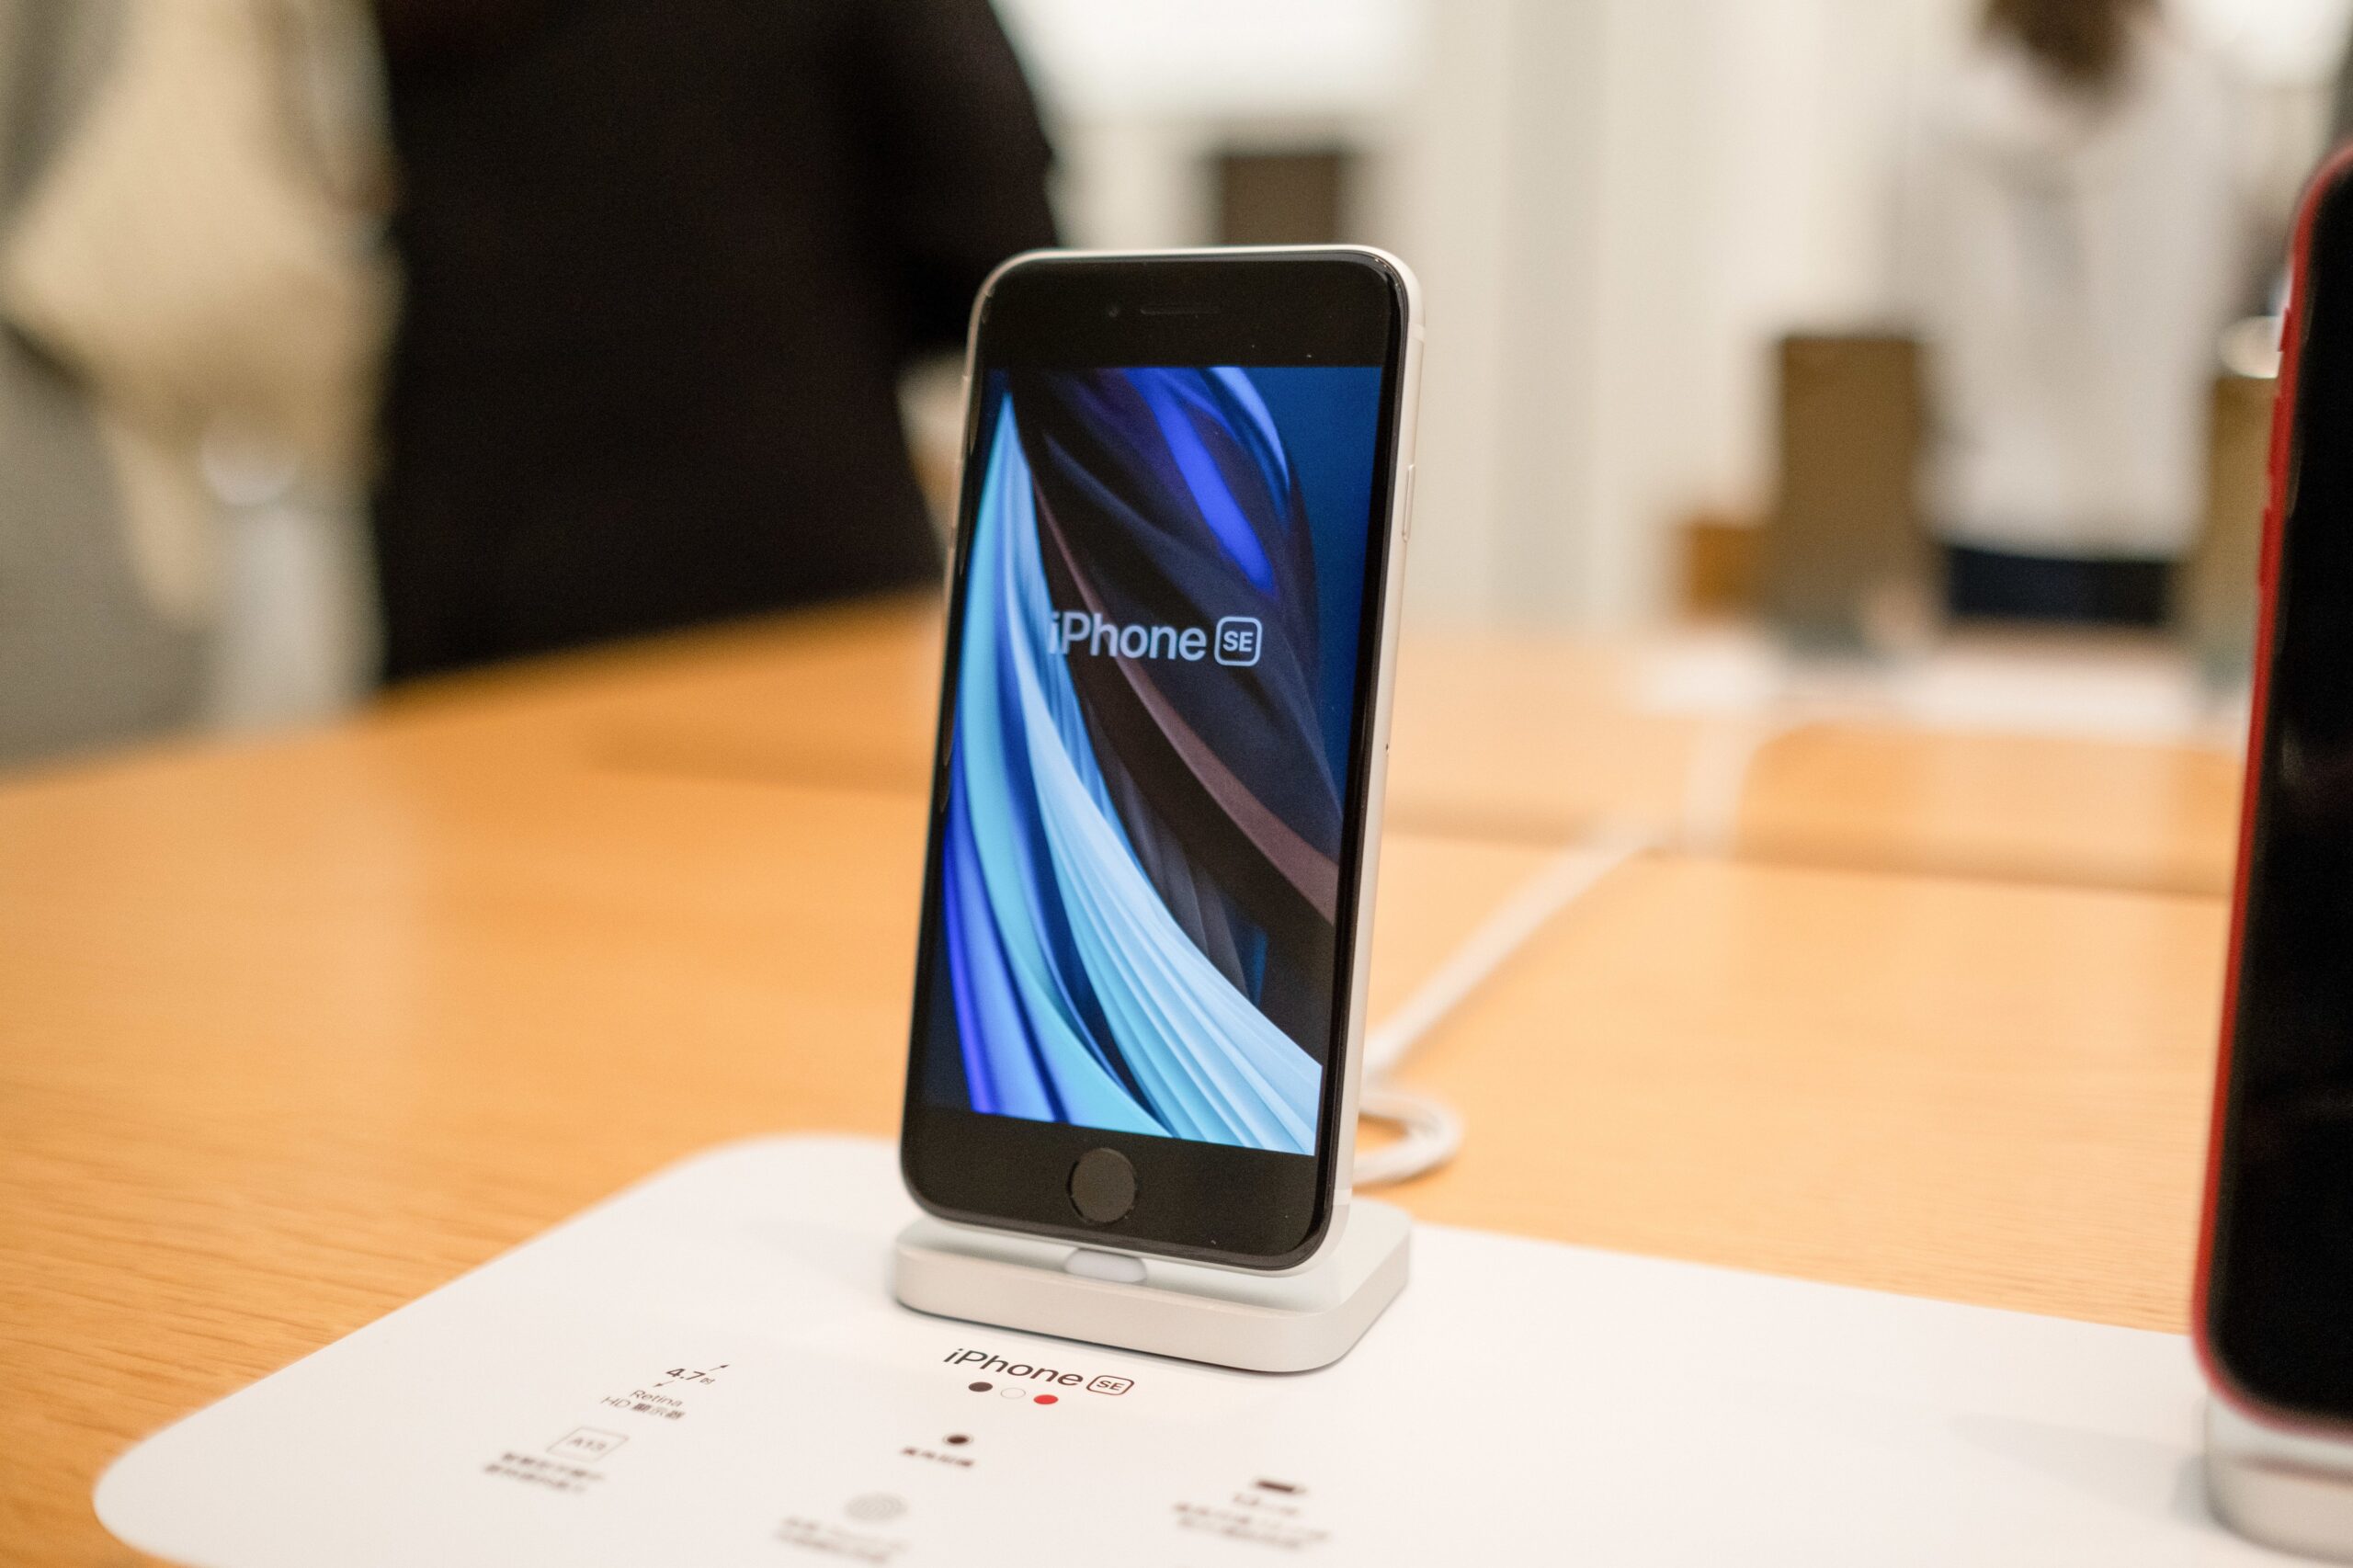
1409 501
1102 1186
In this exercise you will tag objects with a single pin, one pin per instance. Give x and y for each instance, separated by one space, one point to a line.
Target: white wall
1605 199
1680 181
1137 91
1616 205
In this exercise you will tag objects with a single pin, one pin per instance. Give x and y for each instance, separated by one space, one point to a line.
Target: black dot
982 1388
954 1438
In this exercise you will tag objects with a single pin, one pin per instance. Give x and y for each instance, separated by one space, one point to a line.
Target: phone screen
1155 699
2280 1272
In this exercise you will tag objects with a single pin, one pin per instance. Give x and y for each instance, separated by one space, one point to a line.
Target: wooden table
2023 808
1497 735
293 1032
1977 1091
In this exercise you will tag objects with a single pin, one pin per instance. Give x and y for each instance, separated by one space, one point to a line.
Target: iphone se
1157 792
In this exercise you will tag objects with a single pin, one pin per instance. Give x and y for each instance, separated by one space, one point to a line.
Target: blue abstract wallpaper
1140 868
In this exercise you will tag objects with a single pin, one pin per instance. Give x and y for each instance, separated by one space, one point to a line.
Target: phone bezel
2330 188
1255 306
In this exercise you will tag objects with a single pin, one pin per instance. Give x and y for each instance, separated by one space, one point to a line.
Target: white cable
1431 1133
1555 885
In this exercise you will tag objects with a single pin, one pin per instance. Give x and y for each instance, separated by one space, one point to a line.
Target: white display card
707 1369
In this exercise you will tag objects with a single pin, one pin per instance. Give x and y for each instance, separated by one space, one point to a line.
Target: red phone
2274 1316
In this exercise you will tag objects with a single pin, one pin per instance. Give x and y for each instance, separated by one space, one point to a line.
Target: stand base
2280 1488
1284 1322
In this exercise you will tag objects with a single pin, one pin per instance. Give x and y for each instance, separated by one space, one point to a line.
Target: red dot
1045 1399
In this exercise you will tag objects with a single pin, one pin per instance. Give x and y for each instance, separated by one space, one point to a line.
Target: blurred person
186 267
663 266
2078 237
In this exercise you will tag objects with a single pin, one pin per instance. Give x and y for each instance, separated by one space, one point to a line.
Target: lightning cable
1431 1132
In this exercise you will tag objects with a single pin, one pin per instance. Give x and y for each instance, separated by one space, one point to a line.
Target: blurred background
1916 348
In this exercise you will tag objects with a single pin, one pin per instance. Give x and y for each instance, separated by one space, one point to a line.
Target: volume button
1409 501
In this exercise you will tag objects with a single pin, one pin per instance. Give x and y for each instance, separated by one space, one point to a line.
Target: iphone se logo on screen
1139 868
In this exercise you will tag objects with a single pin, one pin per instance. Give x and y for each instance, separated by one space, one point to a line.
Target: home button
1102 1186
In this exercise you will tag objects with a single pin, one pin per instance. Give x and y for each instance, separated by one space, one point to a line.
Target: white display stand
2284 1489
709 1369
1259 1323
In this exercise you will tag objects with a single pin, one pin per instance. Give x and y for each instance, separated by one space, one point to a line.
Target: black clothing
1995 584
664 265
